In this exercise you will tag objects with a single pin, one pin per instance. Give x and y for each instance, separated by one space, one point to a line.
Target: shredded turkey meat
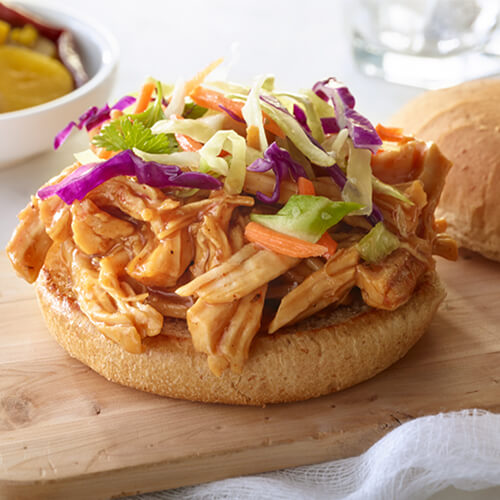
225 331
110 303
94 230
29 243
138 255
162 262
390 283
319 290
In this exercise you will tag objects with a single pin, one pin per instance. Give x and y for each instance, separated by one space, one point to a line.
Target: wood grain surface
66 432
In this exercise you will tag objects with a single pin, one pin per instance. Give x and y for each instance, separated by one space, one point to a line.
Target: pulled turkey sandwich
240 245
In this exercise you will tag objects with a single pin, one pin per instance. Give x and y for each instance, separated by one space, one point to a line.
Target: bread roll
465 123
322 354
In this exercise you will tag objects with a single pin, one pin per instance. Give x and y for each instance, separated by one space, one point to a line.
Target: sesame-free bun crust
320 355
464 121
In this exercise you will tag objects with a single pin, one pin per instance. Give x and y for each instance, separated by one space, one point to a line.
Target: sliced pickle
29 78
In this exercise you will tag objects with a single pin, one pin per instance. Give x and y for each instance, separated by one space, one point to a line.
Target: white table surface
298 41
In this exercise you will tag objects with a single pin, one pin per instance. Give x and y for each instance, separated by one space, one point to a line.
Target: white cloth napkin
413 461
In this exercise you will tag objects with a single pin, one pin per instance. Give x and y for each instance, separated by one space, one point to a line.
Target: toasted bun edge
316 357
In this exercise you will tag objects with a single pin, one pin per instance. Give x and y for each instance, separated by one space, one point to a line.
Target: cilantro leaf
193 111
124 134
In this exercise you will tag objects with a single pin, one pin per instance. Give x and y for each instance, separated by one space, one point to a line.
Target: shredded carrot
253 139
199 78
305 186
327 241
94 131
188 143
115 113
144 97
282 243
185 142
391 134
214 100
104 154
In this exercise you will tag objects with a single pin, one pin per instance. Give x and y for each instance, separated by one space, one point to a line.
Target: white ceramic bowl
30 131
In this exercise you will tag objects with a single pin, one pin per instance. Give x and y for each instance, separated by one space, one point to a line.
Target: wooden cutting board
65 432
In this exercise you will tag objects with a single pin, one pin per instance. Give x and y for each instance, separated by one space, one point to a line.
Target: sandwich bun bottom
317 356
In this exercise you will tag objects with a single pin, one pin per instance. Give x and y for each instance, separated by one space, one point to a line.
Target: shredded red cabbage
301 117
51 190
87 177
330 125
376 216
338 176
323 90
231 114
361 131
281 163
91 118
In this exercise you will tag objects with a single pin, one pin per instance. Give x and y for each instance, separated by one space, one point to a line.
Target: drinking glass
427 43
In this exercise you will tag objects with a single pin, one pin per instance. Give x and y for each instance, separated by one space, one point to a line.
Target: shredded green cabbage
201 129
294 131
306 217
300 159
313 119
323 109
86 157
184 159
251 155
227 87
358 188
335 142
382 187
268 83
378 243
176 104
167 88
252 112
234 167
